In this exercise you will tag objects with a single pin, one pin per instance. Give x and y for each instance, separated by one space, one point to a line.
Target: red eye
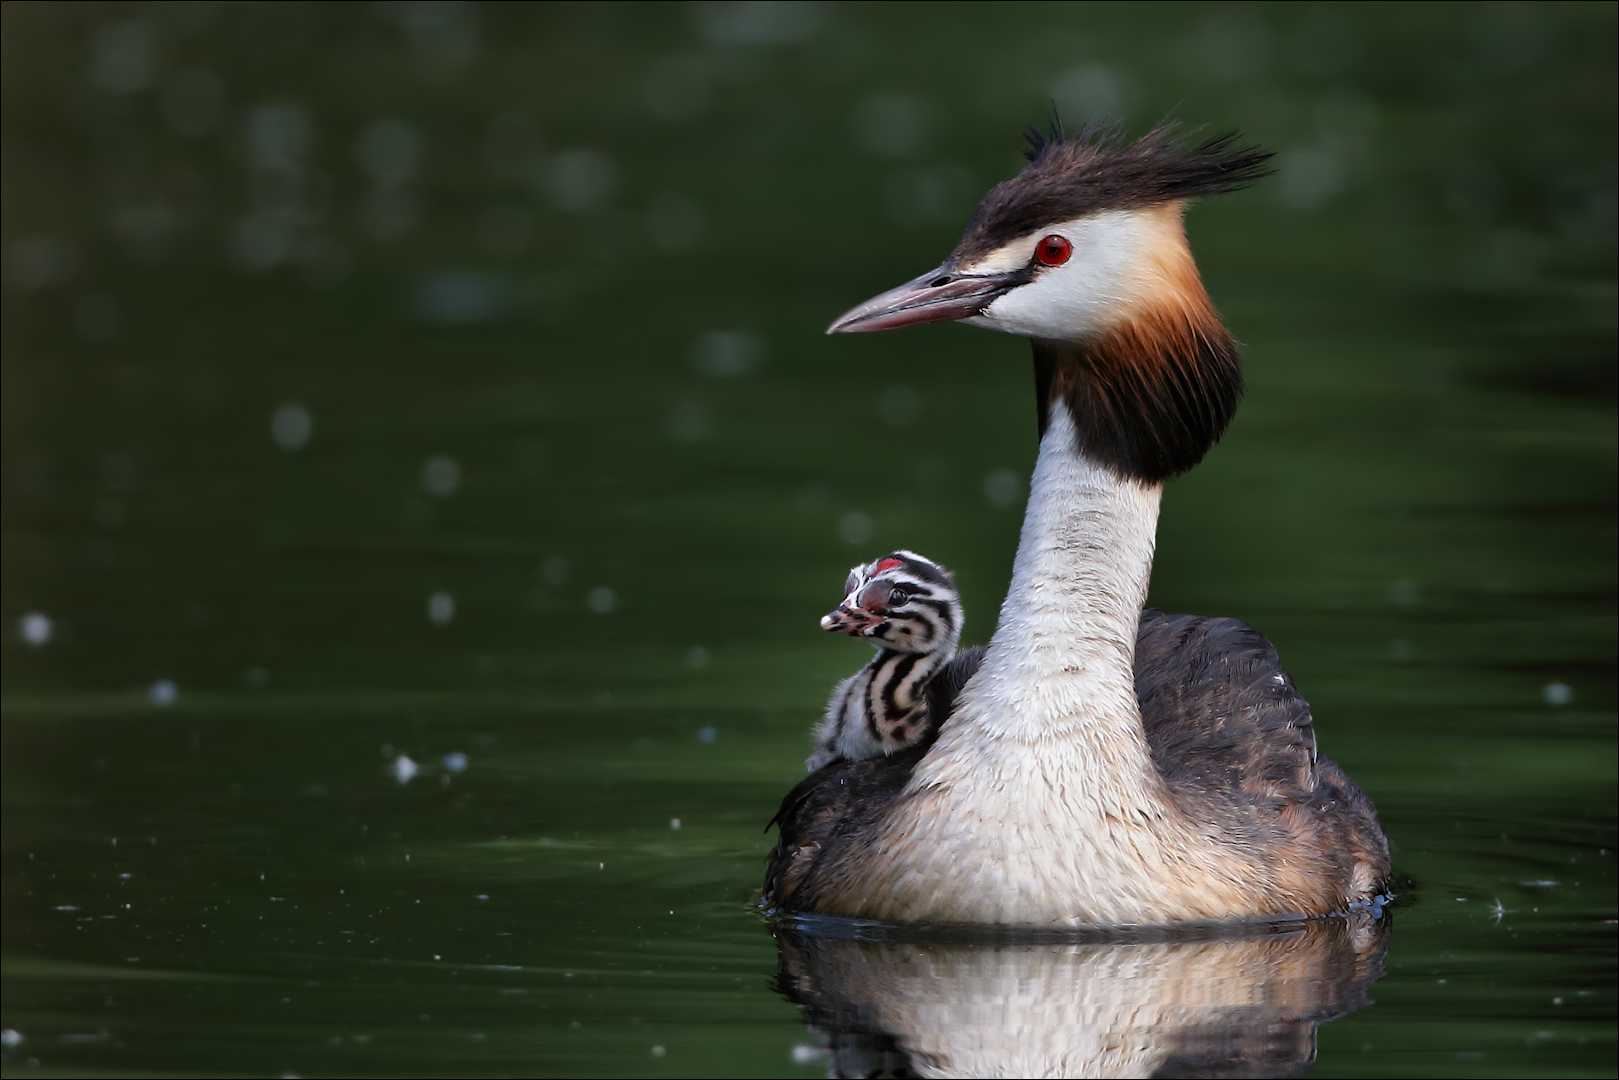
1053 250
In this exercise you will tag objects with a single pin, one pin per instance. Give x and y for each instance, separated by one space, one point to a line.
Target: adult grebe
1103 765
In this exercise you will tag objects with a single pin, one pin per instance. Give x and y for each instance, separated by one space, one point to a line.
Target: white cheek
1099 282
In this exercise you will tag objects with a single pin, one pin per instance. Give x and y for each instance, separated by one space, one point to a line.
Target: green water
393 382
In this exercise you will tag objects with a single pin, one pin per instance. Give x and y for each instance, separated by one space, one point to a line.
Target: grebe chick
908 607
1103 766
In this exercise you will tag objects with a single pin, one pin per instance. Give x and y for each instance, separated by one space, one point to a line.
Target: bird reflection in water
909 1002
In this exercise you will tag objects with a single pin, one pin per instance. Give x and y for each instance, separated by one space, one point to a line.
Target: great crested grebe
1103 765
908 607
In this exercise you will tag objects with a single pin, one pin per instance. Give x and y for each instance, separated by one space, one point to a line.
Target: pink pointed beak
940 295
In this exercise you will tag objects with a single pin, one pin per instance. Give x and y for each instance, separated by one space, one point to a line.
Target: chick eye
1054 250
898 596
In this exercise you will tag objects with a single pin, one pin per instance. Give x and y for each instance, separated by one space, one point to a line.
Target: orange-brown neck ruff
1149 396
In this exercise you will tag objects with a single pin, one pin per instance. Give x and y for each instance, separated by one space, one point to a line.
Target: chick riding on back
907 606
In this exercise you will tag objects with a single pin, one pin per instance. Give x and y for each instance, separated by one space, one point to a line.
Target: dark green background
1416 502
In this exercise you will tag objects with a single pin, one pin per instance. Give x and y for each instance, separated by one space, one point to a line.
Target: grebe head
1087 236
1085 252
903 601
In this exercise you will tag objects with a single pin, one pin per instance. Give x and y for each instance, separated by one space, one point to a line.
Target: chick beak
843 620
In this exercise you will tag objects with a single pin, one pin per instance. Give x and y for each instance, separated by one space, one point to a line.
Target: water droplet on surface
892 125
933 193
123 56
34 628
1558 693
674 823
456 762
441 476
707 734
404 770
443 35
753 24
291 426
277 135
688 421
1087 90
1001 487
1309 177
441 608
261 241
460 298
726 354
581 179
40 261
601 600
162 693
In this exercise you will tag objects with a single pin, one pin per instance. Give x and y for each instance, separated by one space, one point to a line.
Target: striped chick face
902 601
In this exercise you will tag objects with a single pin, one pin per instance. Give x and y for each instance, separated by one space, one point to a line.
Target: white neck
1055 699
1044 761
1061 665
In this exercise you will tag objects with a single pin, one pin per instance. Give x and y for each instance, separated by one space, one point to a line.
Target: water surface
423 472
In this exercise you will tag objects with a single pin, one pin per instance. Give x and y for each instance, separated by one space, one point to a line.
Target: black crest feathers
1038 142
1098 168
